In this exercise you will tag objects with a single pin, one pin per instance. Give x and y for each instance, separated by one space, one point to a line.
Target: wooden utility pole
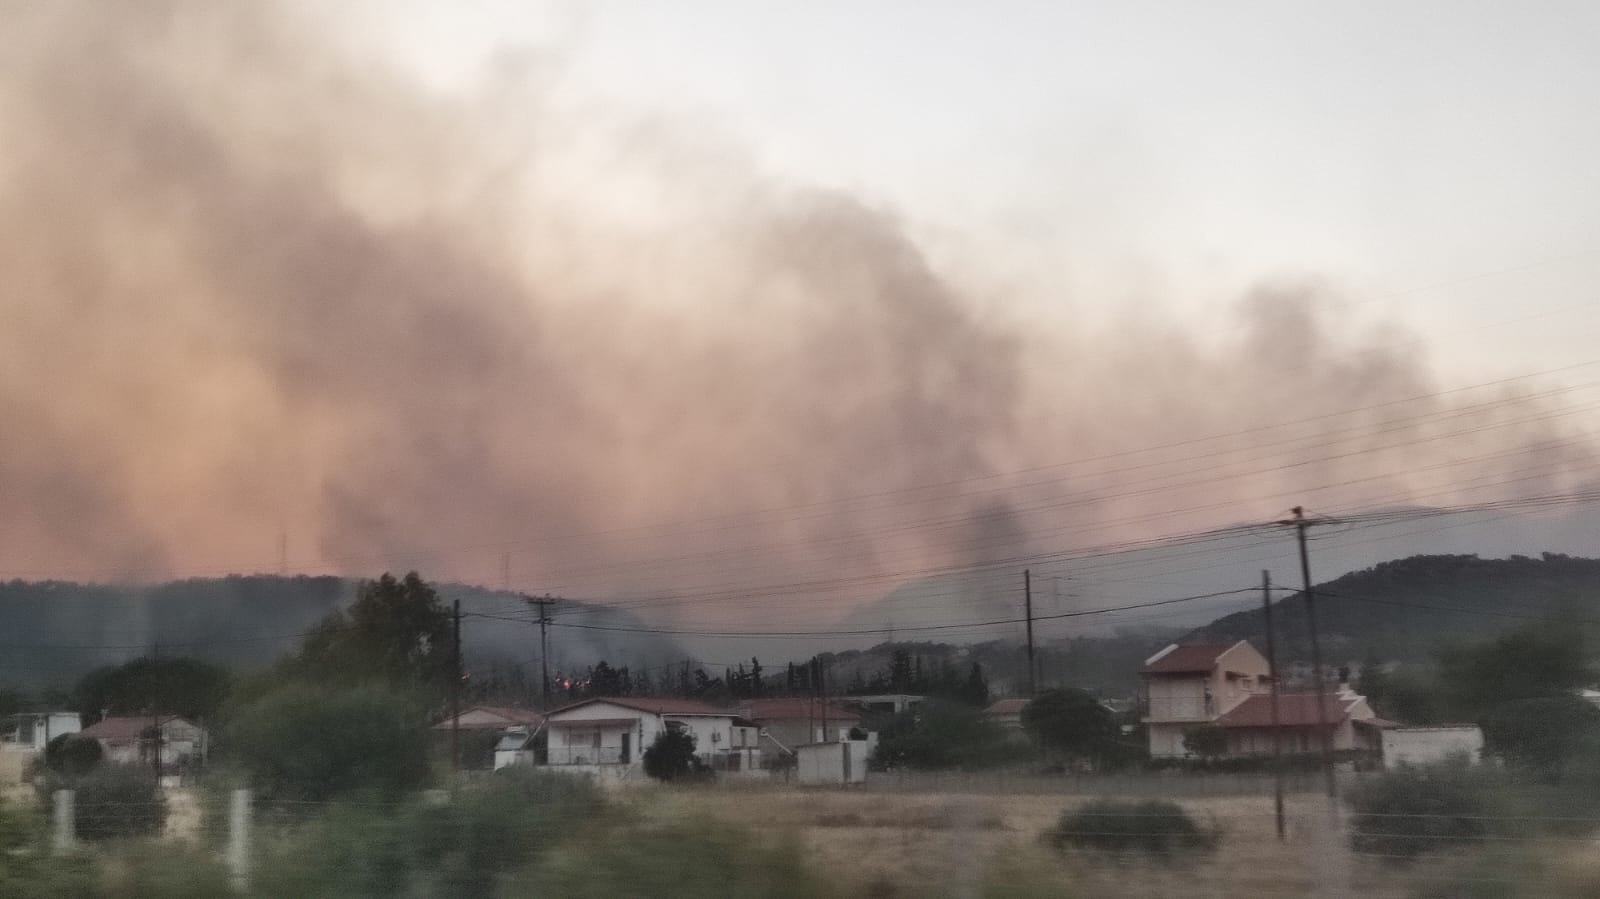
455 689
1317 681
1272 674
1027 600
541 602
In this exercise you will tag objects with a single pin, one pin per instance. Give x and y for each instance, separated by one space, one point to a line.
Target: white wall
1426 745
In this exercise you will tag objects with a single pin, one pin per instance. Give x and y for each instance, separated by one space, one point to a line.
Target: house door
627 746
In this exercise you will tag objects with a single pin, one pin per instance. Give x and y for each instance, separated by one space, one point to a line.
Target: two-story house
1190 684
1229 686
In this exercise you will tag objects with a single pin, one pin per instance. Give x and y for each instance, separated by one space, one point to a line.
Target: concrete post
63 837
239 840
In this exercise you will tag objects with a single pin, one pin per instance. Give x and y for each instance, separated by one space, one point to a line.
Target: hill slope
53 632
1406 608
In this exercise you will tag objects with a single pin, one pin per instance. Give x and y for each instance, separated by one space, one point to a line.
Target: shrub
304 743
111 801
461 847
671 756
1207 741
1542 735
935 734
682 859
1154 826
1414 810
72 755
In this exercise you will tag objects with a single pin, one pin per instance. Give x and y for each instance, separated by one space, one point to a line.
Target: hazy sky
771 310
1435 161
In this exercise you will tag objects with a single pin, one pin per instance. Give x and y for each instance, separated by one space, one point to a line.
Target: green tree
1071 723
396 631
1541 734
113 801
937 734
671 755
976 690
1207 741
311 743
188 687
1524 664
72 755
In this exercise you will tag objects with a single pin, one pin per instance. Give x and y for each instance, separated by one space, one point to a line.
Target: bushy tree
396 631
671 756
1071 723
306 742
72 755
1525 664
1541 734
938 734
1413 810
114 801
187 687
1207 741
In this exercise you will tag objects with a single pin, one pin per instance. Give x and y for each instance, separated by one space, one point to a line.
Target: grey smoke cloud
252 286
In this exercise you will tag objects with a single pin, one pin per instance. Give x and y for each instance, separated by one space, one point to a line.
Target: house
606 737
24 736
1426 744
1189 684
1007 715
785 723
129 740
493 718
1229 685
32 731
1250 728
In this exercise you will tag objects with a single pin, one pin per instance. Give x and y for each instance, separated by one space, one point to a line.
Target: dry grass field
876 844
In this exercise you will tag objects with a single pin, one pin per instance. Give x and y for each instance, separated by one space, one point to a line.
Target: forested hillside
54 632
1405 609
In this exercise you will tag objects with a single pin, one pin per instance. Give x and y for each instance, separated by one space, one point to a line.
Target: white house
490 717
1229 686
128 740
24 736
788 722
1006 714
607 737
1426 744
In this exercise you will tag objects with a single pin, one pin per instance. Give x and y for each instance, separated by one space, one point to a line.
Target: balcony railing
584 755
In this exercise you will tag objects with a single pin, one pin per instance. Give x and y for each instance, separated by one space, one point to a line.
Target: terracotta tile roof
121 727
595 722
1006 707
652 706
1294 710
797 708
1186 658
509 715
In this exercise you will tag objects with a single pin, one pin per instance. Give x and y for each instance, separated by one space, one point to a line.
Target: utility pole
455 690
1317 682
541 602
1027 599
1272 674
155 716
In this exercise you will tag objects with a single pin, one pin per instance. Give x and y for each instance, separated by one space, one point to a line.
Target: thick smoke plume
254 289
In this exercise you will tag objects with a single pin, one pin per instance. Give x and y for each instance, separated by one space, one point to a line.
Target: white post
63 836
239 840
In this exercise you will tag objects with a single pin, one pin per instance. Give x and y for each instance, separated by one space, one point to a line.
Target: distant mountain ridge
1406 608
52 632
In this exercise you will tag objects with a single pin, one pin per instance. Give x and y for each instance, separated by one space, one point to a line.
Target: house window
597 739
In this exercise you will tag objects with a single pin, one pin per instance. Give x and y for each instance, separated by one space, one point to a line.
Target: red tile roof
1006 707
509 714
653 706
1294 710
797 708
596 723
118 727
1186 658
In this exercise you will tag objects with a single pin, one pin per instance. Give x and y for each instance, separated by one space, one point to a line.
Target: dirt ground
897 844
